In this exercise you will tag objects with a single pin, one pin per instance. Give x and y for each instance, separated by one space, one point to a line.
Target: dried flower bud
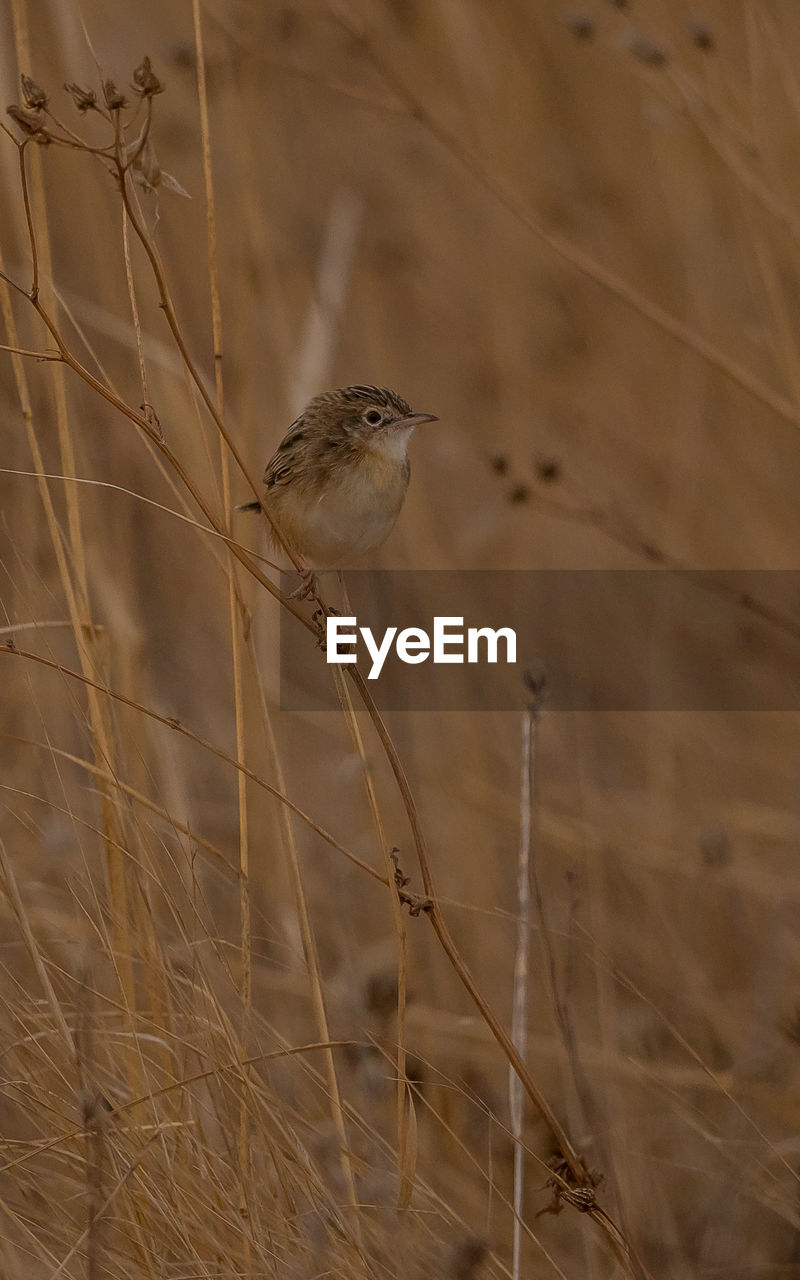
580 24
547 469
146 82
84 99
467 1258
30 122
648 51
114 99
702 36
34 95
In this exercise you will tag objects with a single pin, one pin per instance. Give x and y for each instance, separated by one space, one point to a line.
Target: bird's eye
373 417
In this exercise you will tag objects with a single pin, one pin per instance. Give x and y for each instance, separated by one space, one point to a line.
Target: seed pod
145 81
34 95
114 99
84 99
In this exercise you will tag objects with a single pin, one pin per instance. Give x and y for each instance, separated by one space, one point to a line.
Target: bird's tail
249 506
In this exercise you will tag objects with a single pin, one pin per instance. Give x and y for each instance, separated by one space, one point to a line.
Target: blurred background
571 232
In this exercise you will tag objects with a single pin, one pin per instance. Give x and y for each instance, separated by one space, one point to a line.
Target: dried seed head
30 122
467 1258
145 81
84 99
648 51
534 681
115 101
702 36
547 469
380 994
715 845
580 24
34 95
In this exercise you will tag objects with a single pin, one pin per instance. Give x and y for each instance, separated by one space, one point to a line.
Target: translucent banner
650 640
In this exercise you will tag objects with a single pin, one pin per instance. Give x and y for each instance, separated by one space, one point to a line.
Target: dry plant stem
52 625
438 923
95 1149
36 355
147 941
154 1095
723 135
169 311
443 933
549 968
615 1237
137 328
70 567
533 888
101 1209
154 437
733 145
138 419
519 1015
18 908
620 530
235 607
630 985
443 1207
10 648
405 1170
149 502
124 790
496 1190
139 798
26 201
433 910
309 951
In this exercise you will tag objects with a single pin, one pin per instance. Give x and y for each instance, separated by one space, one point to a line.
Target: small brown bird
337 481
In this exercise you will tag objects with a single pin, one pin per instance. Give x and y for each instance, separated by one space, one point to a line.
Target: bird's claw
309 585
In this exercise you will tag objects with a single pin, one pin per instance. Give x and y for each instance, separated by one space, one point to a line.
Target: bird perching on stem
334 487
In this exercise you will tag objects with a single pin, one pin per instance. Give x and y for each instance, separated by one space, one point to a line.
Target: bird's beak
417 419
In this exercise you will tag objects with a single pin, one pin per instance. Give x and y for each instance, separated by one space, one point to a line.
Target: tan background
572 233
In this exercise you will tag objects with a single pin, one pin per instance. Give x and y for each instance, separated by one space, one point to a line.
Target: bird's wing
282 464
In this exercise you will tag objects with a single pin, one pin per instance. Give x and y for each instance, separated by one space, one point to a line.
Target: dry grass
229 1049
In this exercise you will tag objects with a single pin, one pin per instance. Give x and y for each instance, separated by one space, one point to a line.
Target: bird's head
367 414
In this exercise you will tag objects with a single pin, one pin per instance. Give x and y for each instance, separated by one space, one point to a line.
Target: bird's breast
347 512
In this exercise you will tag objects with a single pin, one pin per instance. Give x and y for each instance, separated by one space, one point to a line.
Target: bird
335 485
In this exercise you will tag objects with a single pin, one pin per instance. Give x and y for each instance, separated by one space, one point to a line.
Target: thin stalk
235 608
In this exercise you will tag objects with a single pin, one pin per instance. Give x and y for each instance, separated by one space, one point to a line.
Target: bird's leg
309 585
